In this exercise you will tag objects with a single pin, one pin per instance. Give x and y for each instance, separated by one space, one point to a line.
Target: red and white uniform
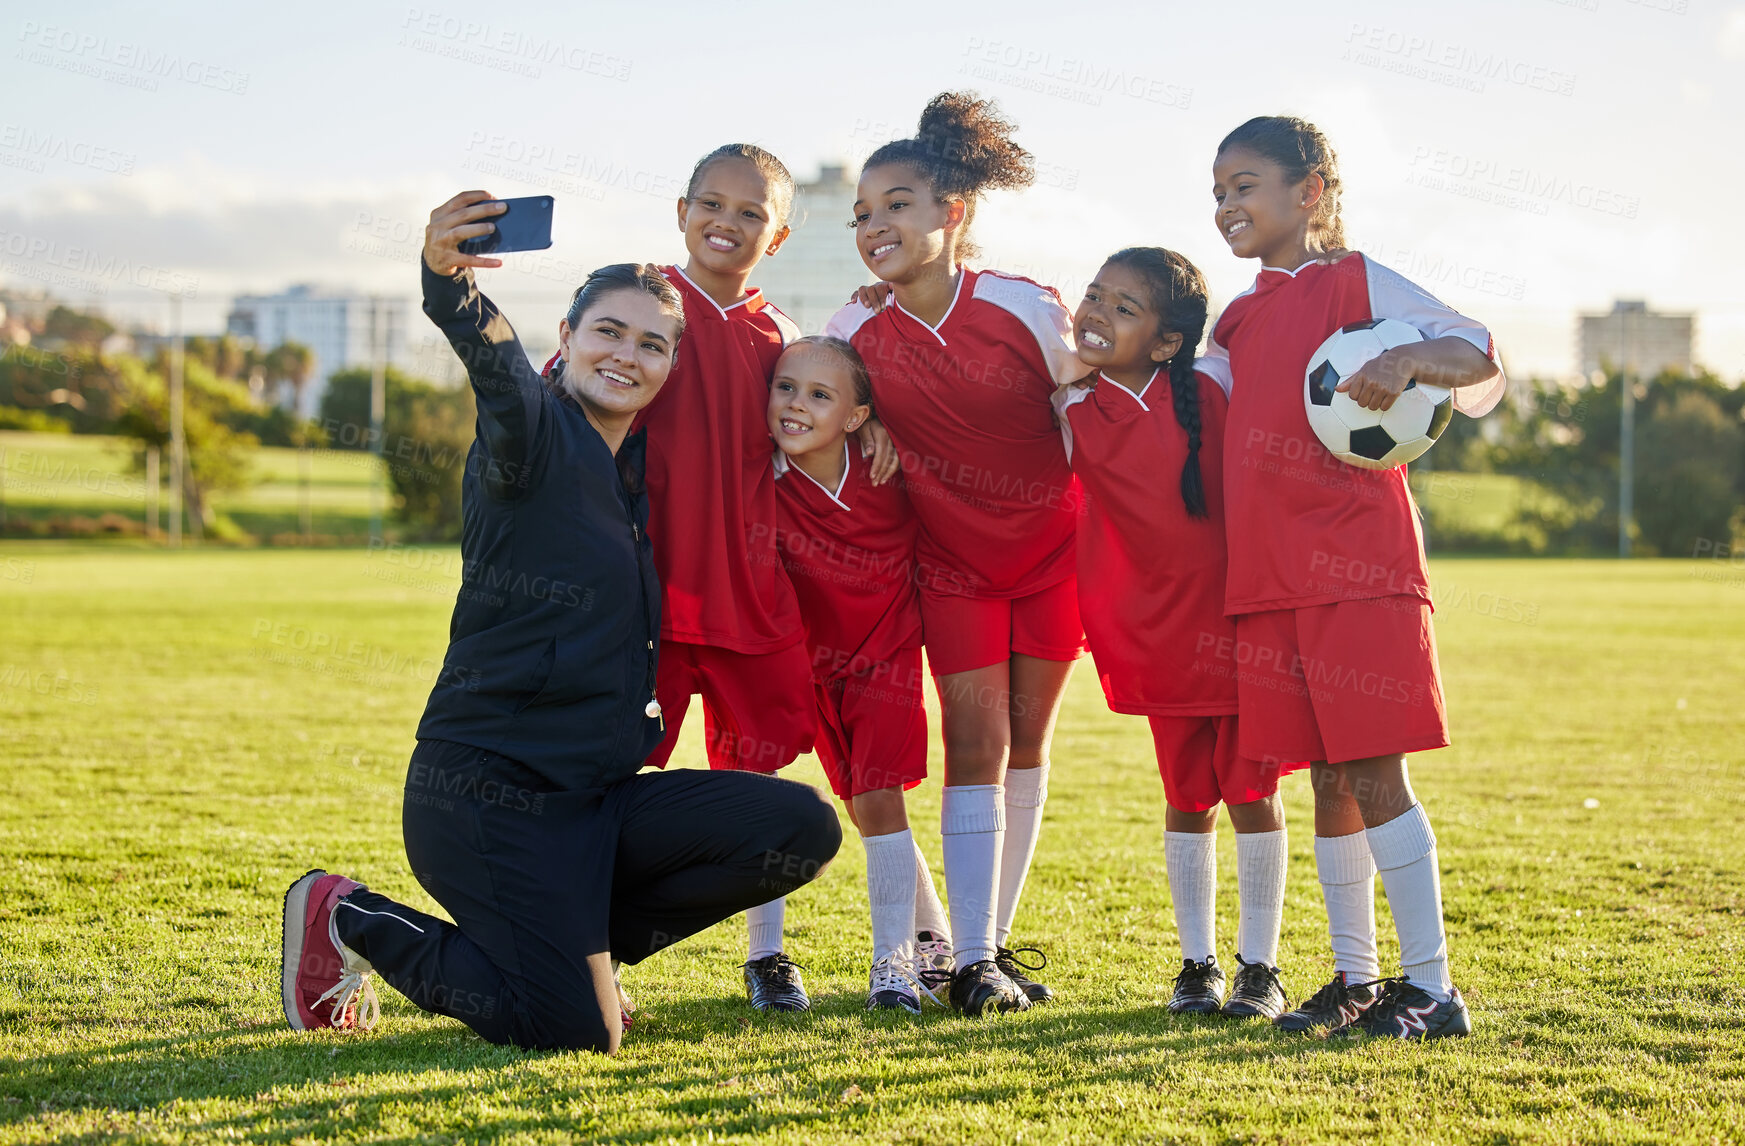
730 624
967 404
850 553
1327 572
1150 577
1295 509
1151 581
712 498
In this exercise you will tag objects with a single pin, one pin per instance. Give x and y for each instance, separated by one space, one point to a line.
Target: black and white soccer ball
1372 439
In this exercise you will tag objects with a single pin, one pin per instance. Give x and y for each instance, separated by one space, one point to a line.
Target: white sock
929 912
1260 890
971 820
1026 792
765 924
890 889
1405 853
1347 875
1191 859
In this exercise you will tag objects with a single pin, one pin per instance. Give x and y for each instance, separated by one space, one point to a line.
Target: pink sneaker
318 969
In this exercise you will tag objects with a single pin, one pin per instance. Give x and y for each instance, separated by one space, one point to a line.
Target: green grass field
56 478
176 752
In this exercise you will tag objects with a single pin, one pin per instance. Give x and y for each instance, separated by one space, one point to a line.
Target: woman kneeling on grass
524 813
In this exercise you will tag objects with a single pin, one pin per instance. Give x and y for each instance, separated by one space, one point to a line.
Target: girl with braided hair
1145 436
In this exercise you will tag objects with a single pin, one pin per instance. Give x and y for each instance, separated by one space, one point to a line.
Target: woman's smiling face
618 355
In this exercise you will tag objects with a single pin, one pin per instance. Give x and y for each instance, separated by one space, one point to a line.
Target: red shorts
872 728
1201 767
965 633
757 707
1339 682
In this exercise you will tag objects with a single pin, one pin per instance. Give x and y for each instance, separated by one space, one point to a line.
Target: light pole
1626 431
378 413
178 446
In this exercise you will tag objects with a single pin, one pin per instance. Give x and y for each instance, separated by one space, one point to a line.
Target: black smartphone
525 226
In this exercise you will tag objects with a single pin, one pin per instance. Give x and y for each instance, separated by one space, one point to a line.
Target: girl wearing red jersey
849 547
1334 653
963 364
1151 572
730 625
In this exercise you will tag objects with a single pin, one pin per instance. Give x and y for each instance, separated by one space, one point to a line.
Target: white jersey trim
1140 396
1063 399
845 323
1215 362
784 464
755 293
1392 295
785 326
956 293
1043 314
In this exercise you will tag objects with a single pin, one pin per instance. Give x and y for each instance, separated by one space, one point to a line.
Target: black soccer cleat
1006 959
1407 1011
773 984
1257 993
978 988
1199 989
1333 1008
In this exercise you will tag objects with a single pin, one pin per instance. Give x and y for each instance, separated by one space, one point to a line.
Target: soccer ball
1371 439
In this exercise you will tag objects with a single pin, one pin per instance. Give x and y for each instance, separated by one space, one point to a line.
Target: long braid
1185 389
1178 297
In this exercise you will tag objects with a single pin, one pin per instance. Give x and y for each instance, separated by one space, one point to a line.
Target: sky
1524 160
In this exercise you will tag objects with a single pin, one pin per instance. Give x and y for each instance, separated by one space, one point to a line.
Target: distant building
1636 339
819 266
334 325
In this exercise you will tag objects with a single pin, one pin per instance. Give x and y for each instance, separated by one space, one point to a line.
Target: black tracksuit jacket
551 656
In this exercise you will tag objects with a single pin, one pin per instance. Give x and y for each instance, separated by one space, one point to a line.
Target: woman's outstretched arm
510 395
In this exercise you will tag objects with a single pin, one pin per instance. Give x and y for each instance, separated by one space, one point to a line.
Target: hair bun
968 136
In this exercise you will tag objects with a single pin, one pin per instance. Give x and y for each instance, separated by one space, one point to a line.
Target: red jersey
967 405
1150 578
712 497
1305 528
851 554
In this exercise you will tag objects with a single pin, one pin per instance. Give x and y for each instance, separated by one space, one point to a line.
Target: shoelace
1271 972
1196 972
1329 997
777 967
945 978
894 971
353 989
1387 998
1010 955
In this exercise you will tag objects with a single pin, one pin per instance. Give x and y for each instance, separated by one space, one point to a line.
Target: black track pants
547 886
